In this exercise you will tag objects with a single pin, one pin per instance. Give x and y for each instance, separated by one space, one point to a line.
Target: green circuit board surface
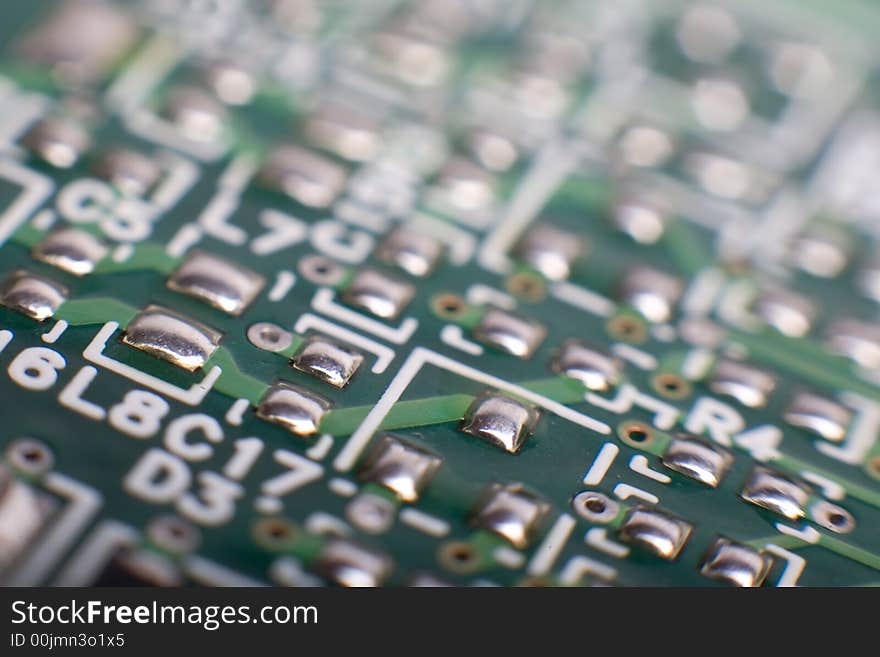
551 293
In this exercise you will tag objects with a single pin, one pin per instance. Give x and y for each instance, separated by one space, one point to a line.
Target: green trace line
27 235
851 552
440 409
30 77
295 344
405 414
147 255
806 359
784 541
857 554
680 240
232 381
857 491
80 312
557 388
